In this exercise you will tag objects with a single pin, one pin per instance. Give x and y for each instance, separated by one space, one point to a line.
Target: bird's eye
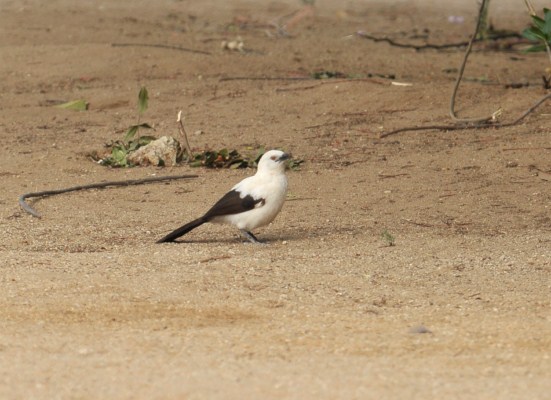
273 158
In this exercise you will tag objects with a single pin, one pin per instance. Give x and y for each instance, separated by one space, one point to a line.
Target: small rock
234 45
419 329
160 152
511 164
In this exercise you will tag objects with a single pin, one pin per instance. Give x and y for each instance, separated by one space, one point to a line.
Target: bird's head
273 161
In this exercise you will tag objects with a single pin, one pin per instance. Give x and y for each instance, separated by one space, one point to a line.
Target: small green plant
221 159
224 158
540 31
233 159
388 238
120 149
328 75
294 163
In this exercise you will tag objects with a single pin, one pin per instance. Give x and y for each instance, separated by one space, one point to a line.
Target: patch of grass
388 238
120 149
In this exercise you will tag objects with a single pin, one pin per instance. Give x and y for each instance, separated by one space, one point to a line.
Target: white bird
253 202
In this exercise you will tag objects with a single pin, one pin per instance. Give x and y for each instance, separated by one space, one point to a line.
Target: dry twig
100 185
183 133
526 148
265 78
453 115
470 123
392 42
330 81
426 46
478 126
214 258
161 46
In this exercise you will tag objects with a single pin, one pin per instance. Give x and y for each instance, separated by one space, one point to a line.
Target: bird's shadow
271 238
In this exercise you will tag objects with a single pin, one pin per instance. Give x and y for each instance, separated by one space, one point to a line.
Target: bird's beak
284 156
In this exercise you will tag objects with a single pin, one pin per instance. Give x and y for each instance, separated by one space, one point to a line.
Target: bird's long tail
182 230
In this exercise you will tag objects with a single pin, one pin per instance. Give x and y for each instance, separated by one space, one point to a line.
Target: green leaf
533 33
224 153
328 75
547 26
133 145
119 157
131 132
238 164
210 157
143 98
77 105
535 49
146 126
259 154
294 164
144 140
538 22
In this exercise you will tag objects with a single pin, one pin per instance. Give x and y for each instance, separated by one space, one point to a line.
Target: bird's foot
252 238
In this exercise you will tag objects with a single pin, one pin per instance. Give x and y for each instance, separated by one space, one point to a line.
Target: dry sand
91 308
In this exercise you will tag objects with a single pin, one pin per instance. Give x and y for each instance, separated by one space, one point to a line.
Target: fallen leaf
77 105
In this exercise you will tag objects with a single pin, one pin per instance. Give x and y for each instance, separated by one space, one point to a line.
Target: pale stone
162 151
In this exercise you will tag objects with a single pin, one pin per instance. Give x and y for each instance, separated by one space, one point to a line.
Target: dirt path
90 307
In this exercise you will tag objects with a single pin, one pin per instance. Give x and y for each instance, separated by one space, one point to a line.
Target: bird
252 203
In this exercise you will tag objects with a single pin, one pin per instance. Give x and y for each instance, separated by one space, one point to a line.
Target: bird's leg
249 235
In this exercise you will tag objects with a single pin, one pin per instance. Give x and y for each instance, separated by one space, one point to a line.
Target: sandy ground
91 308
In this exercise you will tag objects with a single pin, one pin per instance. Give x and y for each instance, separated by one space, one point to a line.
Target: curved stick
453 115
472 126
161 46
129 182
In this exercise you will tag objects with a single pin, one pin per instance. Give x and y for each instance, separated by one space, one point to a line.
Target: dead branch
470 123
265 78
460 76
428 45
183 133
284 23
330 81
214 258
385 176
297 88
472 126
100 185
161 46
366 35
423 224
427 128
530 7
526 148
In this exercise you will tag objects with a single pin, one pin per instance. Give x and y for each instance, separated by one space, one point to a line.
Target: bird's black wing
232 203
